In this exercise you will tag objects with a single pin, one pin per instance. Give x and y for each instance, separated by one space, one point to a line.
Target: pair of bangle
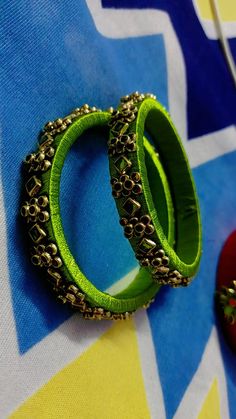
155 197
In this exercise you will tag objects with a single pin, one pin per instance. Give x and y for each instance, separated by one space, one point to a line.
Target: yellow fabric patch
211 406
227 9
104 382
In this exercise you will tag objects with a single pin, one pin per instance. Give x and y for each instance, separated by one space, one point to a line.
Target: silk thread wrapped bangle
172 265
41 210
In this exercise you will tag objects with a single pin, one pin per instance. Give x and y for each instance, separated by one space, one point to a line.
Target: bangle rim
94 295
131 118
50 249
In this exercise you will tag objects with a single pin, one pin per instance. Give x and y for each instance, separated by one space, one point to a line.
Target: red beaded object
226 288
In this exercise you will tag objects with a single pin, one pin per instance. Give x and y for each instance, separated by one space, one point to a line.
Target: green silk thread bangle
172 265
42 212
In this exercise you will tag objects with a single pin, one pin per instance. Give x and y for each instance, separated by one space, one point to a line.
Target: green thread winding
142 289
185 254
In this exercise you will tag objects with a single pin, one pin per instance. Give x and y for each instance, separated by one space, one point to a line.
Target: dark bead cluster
156 259
57 126
172 278
136 97
137 227
61 124
126 114
46 255
126 185
34 210
40 161
121 144
227 300
123 141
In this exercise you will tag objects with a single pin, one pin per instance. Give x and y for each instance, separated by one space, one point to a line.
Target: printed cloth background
170 361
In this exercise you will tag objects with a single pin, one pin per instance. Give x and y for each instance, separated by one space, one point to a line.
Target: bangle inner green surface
185 256
142 289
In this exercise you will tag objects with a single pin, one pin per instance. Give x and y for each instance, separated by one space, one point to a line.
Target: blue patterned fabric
56 56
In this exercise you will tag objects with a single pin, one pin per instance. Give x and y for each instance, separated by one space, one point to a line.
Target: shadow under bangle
41 210
137 115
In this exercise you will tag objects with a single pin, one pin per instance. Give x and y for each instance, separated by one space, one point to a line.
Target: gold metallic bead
120 148
45 140
125 99
61 299
123 178
46 259
49 126
71 298
125 192
128 235
113 141
137 189
39 157
131 206
46 164
118 186
123 221
160 253
57 262
55 277
128 184
123 139
156 262
49 151
113 180
33 201
33 186
139 228
145 219
43 216
62 128
176 274
130 147
30 158
128 229
134 220
36 260
77 304
59 122
111 151
186 282
43 201
36 233
34 210
145 262
165 260
41 248
52 249
175 282
115 194
149 229
163 270
24 211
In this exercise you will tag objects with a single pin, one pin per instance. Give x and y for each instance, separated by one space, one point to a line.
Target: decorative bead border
227 299
35 211
121 146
